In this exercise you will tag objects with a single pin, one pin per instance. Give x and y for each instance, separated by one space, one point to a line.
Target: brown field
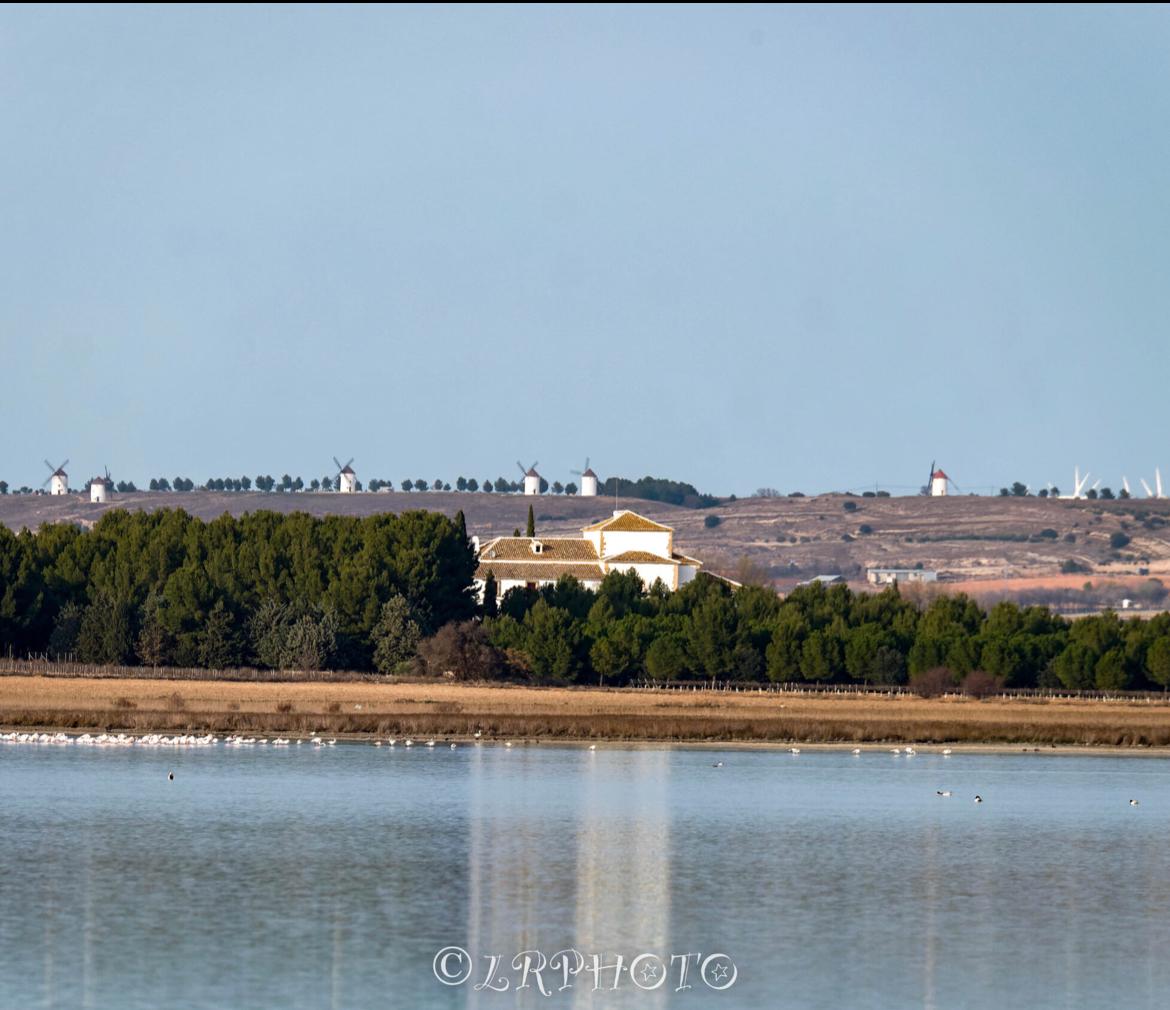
453 711
970 540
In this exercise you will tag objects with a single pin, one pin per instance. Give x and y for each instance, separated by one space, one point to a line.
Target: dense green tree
1158 662
666 657
551 640
395 636
66 631
220 641
530 528
490 594
105 635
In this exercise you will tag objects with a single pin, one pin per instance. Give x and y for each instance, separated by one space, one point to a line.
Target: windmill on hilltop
100 488
588 481
939 482
346 478
531 478
58 480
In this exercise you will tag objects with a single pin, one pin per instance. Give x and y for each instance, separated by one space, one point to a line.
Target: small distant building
625 542
588 484
824 580
99 490
938 484
347 480
58 482
531 481
890 576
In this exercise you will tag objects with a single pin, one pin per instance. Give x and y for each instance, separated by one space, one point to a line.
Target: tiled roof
628 522
537 571
639 558
553 550
685 560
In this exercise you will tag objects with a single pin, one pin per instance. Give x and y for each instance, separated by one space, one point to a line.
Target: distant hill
974 540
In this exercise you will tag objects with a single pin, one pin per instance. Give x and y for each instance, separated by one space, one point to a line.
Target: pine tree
395 636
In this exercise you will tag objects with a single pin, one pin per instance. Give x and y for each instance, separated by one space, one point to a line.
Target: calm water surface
331 877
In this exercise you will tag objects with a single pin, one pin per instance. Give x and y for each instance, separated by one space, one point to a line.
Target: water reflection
312 880
599 883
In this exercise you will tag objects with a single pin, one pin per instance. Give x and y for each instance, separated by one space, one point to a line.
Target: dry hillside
788 539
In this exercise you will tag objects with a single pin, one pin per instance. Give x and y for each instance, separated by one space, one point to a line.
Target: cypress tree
489 595
531 531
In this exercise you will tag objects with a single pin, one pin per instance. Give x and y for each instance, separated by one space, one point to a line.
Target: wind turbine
1079 483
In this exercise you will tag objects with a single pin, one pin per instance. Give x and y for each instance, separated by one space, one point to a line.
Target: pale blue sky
805 248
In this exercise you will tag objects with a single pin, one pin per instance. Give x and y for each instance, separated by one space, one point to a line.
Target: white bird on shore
856 750
896 750
507 743
793 750
593 746
946 752
409 742
430 743
478 733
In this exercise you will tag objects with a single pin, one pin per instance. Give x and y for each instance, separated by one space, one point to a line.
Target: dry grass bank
458 711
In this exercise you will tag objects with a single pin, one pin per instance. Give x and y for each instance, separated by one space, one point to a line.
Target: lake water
331 877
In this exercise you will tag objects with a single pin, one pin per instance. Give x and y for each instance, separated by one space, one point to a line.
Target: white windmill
100 488
939 481
588 481
1156 492
531 478
346 478
58 479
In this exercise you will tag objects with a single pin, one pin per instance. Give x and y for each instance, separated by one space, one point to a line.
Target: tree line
165 588
706 630
393 593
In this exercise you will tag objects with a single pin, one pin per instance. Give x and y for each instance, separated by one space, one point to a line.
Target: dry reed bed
458 711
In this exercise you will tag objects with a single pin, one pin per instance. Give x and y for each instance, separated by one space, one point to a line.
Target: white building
889 576
624 542
99 490
588 484
59 482
531 481
938 484
347 481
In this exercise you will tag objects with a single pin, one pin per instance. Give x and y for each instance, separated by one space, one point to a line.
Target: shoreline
455 712
776 746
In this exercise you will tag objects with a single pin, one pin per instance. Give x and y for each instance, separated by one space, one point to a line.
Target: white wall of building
531 484
588 486
97 491
347 482
618 542
58 485
938 487
649 574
